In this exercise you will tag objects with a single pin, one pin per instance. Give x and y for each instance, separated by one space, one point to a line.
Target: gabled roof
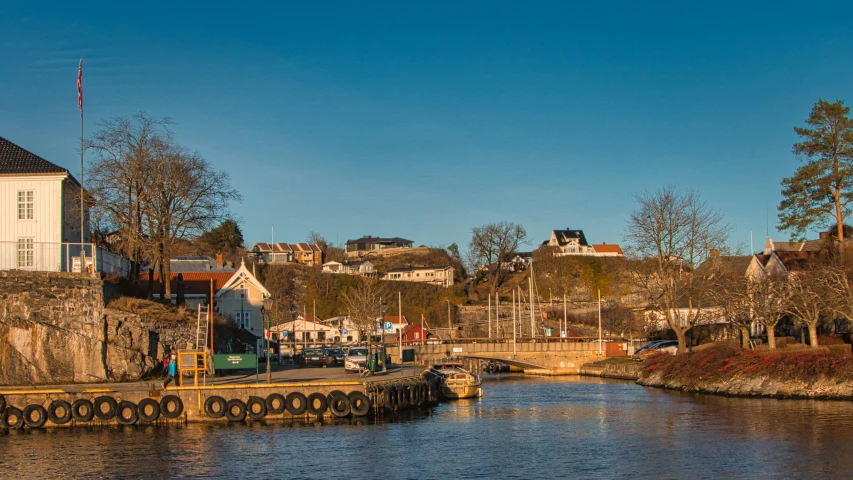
607 248
14 160
196 264
396 319
563 236
243 274
724 265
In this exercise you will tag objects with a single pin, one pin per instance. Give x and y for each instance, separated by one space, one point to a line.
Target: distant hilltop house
376 246
40 218
440 275
309 254
364 268
573 242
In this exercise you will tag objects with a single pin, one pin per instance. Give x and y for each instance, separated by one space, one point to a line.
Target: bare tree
806 298
364 303
490 245
732 296
187 197
119 179
767 302
673 232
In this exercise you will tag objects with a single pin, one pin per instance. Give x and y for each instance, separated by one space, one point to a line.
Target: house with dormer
573 242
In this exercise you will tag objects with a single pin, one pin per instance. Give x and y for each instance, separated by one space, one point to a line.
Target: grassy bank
794 371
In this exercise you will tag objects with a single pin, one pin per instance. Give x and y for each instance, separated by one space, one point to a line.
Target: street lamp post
267 336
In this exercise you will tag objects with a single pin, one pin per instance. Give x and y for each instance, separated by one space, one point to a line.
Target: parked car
668 346
336 355
355 359
315 357
649 345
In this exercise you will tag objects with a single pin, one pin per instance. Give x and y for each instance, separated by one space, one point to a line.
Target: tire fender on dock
256 408
276 403
214 406
171 406
317 404
339 404
359 403
235 410
143 407
16 414
82 410
109 402
126 413
296 403
53 412
35 416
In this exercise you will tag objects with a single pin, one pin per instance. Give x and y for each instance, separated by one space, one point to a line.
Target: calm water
523 428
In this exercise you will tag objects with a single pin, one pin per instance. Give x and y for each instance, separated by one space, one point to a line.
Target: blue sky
425 120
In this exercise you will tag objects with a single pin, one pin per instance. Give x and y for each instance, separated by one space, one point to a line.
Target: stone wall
55 329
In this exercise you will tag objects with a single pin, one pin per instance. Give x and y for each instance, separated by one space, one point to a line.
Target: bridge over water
534 356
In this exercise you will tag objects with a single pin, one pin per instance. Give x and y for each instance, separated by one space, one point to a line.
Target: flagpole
82 204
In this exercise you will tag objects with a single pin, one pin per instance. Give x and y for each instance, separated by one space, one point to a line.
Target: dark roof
724 265
799 260
564 235
14 160
195 283
369 239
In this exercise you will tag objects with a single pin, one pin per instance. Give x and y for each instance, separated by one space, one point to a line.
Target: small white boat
456 382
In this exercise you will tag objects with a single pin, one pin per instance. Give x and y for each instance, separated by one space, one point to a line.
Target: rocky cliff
54 328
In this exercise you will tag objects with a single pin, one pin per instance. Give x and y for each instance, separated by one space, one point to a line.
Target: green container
235 361
409 355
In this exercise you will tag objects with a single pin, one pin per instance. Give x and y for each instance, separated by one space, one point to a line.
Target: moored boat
456 382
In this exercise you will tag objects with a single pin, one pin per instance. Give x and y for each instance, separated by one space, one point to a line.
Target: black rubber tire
423 394
276 404
15 413
215 406
256 408
359 403
390 397
2 403
143 405
237 404
82 410
126 413
171 406
339 405
413 395
402 396
292 399
317 404
111 404
38 420
55 418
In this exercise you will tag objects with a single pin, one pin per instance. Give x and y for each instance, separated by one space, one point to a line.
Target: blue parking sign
284 333
344 331
389 326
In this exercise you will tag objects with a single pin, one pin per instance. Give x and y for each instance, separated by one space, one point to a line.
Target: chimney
824 235
218 259
715 252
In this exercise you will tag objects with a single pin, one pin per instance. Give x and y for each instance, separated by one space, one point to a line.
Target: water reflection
522 428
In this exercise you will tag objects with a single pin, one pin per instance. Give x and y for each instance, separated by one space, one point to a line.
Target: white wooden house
242 298
40 218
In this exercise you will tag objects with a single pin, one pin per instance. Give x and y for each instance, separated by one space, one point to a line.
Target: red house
414 334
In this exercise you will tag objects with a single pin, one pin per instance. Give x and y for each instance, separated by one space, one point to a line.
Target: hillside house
364 268
308 254
438 275
40 218
375 245
573 242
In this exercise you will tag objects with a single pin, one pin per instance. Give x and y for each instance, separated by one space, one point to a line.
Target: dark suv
336 355
315 357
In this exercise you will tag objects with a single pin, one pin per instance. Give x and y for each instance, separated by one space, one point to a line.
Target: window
321 336
245 323
25 205
25 252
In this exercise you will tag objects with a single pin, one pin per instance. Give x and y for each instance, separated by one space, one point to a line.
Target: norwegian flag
80 85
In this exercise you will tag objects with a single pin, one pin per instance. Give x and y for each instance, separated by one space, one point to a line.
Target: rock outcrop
746 385
54 328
